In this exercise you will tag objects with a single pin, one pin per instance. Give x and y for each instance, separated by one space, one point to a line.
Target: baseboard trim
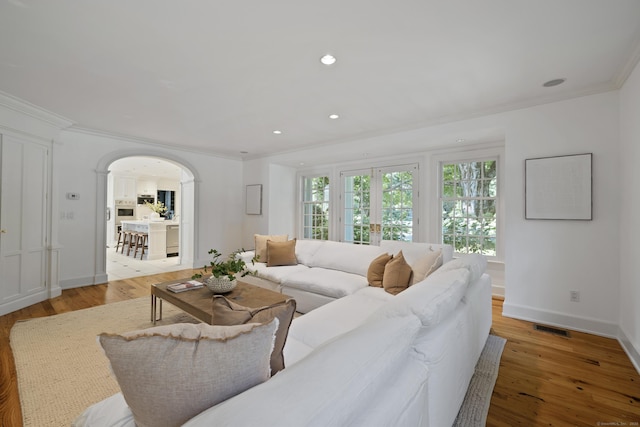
628 348
80 281
576 323
497 291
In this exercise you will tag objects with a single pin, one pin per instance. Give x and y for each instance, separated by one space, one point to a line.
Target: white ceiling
220 76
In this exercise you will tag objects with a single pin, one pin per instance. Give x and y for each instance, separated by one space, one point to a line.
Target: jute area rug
62 370
60 365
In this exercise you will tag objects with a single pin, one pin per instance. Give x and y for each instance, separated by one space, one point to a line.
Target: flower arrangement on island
157 207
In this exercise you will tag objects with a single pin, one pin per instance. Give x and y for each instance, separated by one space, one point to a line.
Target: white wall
278 189
219 200
629 219
544 260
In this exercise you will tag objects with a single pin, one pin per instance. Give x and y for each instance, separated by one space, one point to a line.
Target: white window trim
467 156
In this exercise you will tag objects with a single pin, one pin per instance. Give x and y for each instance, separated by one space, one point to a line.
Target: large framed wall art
559 187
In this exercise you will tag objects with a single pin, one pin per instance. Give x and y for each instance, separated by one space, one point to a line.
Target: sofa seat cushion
330 283
327 322
275 274
346 257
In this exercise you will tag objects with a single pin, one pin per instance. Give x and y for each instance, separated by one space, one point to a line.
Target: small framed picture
254 199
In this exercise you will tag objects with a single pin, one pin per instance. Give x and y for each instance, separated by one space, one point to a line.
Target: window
469 205
315 207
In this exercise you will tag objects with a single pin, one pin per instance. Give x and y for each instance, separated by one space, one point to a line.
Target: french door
379 204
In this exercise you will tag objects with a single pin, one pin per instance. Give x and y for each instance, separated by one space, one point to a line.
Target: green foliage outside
469 192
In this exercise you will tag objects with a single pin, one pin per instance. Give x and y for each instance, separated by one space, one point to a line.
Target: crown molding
147 141
16 104
629 66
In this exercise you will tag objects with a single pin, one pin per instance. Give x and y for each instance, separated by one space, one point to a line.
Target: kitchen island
156 235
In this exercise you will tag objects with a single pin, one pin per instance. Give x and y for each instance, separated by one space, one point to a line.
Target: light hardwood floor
544 380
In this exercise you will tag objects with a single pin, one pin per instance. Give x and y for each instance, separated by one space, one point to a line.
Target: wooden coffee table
198 302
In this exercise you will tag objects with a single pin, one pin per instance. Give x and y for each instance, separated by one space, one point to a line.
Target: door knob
3 231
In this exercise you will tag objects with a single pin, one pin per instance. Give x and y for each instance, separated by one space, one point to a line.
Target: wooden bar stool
141 242
126 239
120 239
133 238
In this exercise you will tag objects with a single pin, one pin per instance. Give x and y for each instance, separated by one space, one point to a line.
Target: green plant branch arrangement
158 207
229 267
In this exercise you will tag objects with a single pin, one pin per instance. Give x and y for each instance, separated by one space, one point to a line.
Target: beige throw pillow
281 253
169 374
397 275
376 270
261 244
426 265
226 312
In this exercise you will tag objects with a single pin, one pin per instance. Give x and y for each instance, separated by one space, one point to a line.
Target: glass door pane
357 207
397 186
379 204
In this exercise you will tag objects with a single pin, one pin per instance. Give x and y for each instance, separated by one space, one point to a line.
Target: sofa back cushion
346 257
306 249
432 300
339 381
413 251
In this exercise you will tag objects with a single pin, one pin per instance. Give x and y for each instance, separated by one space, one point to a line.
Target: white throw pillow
169 374
426 265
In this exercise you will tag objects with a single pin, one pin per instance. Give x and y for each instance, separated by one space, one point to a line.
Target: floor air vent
551 330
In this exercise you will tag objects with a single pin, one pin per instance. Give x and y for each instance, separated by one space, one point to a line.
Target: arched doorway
184 188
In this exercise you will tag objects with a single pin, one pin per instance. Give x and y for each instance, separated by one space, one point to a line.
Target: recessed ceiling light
460 140
334 116
554 82
328 59
277 132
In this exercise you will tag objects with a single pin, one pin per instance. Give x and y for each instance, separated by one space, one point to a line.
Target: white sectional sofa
328 270
361 356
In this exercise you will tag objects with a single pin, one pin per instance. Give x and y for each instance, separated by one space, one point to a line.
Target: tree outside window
469 206
315 208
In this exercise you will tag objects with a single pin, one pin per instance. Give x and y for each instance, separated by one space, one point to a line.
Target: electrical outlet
574 296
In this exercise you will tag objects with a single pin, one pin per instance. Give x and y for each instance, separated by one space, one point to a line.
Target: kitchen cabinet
157 233
147 187
124 188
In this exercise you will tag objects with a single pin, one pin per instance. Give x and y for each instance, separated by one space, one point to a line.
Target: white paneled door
24 182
